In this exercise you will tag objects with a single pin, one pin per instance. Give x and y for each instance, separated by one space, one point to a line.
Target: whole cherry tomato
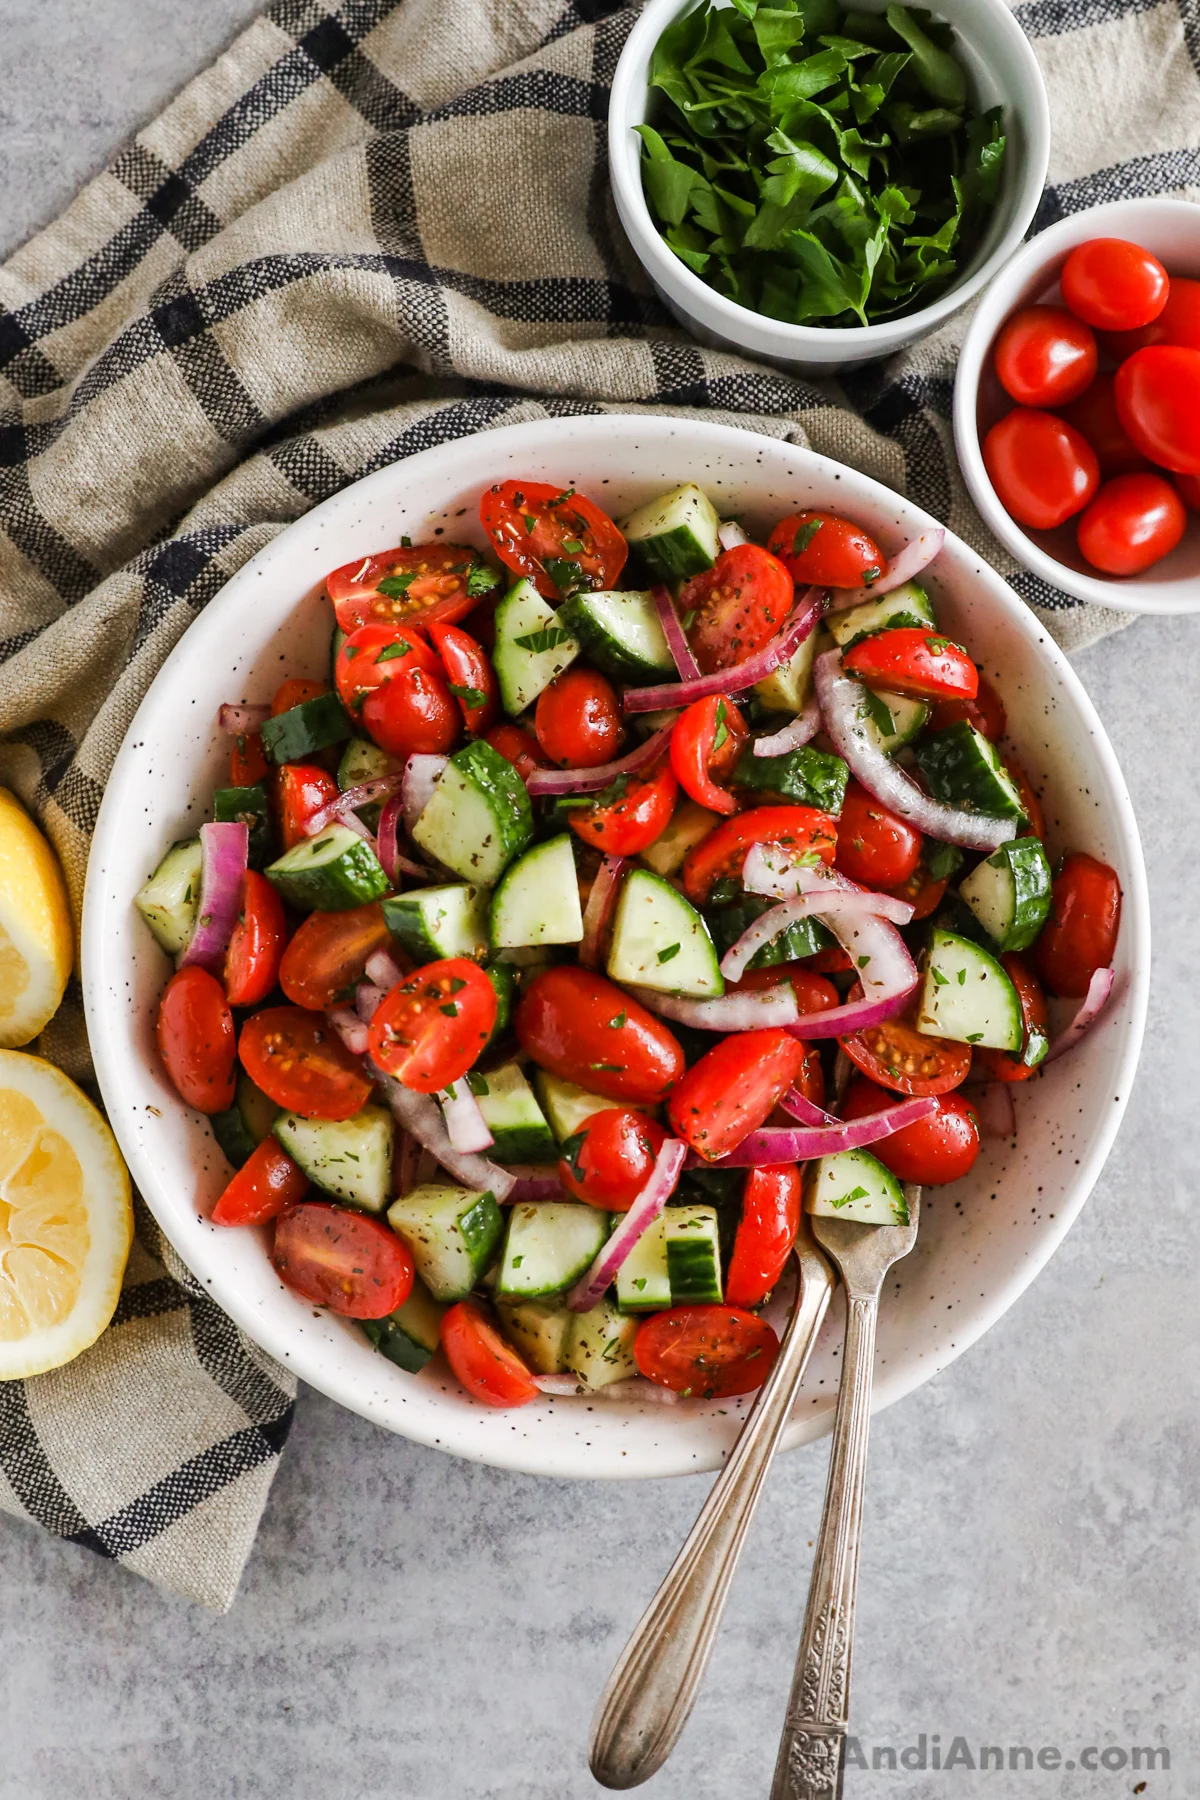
518 747
1044 356
415 583
301 789
819 549
256 947
1158 403
1042 469
609 1160
344 1260
584 1028
938 1149
388 677
985 712
1114 285
721 854
706 744
470 676
875 847
429 1028
736 607
630 824
1094 415
267 1183
765 1234
195 1039
710 1352
1133 522
911 660
732 1089
1080 936
248 764
1177 323
300 1063
328 954
578 720
485 1363
1007 1065
556 537
1029 800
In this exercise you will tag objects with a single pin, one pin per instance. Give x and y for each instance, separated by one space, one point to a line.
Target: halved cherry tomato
736 607
248 763
922 890
518 747
561 541
299 1062
1133 522
301 789
1080 936
985 712
721 854
266 1184
586 1029
706 743
1029 800
1005 1065
1113 284
1158 403
429 1028
1095 415
765 1234
372 656
485 1363
709 1352
630 824
935 1150
416 582
732 1089
390 678
820 549
906 1061
909 660
195 1039
354 1265
1042 469
328 954
875 847
294 692
813 994
1044 356
471 677
609 1160
1177 323
578 720
832 960
256 947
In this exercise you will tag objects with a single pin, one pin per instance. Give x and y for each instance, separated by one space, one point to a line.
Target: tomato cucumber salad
595 916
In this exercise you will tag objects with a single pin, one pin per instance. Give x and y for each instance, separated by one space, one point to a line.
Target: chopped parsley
481 580
536 642
470 697
805 534
396 586
401 647
672 950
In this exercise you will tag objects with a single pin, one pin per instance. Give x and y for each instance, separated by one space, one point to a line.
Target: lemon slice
66 1219
36 939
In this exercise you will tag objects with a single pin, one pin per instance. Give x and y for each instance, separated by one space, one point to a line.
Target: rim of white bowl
1177 597
781 338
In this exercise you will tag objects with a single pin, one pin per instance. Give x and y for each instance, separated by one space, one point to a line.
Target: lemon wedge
66 1218
36 939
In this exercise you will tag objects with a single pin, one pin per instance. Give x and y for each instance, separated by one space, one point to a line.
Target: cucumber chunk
568 1107
660 941
689 825
313 725
539 1329
787 688
503 978
435 922
548 1246
409 1336
332 872
248 806
513 1116
600 1346
803 777
907 605
532 647
1009 893
479 816
674 536
967 995
168 901
350 1158
621 633
727 923
241 1129
855 1185
453 1234
893 720
693 1254
537 901
963 768
643 1279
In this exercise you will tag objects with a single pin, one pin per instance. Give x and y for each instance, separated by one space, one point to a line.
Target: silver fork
810 1750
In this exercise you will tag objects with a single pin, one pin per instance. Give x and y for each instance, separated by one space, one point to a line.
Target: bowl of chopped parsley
819 185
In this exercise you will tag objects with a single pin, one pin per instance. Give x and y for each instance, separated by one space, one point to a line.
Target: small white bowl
1171 230
1003 72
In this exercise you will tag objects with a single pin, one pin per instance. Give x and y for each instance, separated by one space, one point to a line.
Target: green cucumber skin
906 606
248 805
356 879
727 923
601 648
672 556
506 798
503 978
250 1119
803 777
303 729
404 916
393 1342
1029 872
956 770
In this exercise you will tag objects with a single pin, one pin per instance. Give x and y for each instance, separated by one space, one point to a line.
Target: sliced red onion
387 844
589 781
599 910
841 699
997 1112
535 1181
792 737
224 851
1094 1002
800 621
383 969
238 720
784 1144
686 664
916 555
557 1385
730 535
351 1029
752 1011
850 908
367 998
466 1126
343 809
635 1387
645 1209
421 775
405 1160
771 869
421 1116
805 1110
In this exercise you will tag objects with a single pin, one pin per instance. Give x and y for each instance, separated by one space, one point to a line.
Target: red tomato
711 1352
1042 469
1189 488
875 847
1080 936
294 692
252 959
578 720
707 742
328 954
813 993
832 960
1114 285
487 1366
1158 403
935 1150
301 789
985 712
629 825
300 1063
429 1028
195 1039
1044 356
587 1030
1029 800
344 1260
472 679
765 1234
416 582
248 763
819 549
561 541
389 677
1177 323
1004 1065
736 607
518 747
609 1160
721 854
922 892
1133 522
266 1184
906 1061
910 660
732 1089
1094 415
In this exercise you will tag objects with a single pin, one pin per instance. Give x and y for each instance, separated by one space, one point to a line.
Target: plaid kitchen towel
367 229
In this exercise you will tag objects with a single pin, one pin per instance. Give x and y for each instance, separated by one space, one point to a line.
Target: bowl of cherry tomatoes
1077 406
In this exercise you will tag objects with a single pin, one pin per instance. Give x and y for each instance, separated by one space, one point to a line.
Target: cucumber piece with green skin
548 1246
539 1329
803 777
331 872
511 1113
503 978
453 1234
693 1254
964 769
248 806
350 1158
599 1347
313 725
409 1336
660 941
531 647
907 605
435 922
788 688
537 901
689 825
479 816
675 536
968 996
169 900
568 1107
621 633
893 720
727 923
240 1130
643 1279
1009 893
855 1185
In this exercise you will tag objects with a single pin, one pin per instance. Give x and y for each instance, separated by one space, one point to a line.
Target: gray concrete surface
416 1627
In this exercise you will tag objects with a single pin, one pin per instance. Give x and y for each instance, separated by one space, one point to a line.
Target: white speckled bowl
981 1241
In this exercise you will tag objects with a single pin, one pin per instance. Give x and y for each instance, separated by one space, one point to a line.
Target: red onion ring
367 999
770 925
599 910
421 1116
752 1011
645 1209
792 737
387 844
224 853
350 1028
545 782
800 621
383 970
238 720
806 1110
685 663
916 555
558 1386
1094 1002
466 1126
784 1144
635 1387
405 1159
996 1109
421 775
344 806
535 1181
